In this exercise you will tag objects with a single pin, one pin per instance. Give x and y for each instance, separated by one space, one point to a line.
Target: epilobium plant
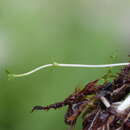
104 106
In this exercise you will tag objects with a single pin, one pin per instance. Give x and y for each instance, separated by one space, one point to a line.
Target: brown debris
96 114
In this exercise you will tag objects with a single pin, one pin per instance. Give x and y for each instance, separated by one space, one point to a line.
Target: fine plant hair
105 106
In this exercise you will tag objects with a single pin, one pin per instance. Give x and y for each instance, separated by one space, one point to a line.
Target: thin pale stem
67 65
90 128
124 105
32 71
105 102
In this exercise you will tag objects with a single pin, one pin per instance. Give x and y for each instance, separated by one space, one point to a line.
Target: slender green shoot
11 75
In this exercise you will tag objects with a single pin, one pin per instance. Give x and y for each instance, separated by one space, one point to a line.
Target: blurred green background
37 32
